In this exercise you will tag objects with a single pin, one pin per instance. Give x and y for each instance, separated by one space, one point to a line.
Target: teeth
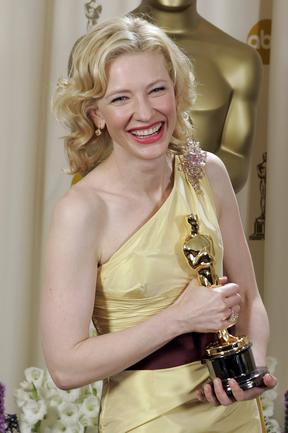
146 132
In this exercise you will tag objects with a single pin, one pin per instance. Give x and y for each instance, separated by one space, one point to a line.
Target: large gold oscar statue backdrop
228 78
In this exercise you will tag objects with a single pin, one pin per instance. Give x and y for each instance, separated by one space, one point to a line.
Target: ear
97 118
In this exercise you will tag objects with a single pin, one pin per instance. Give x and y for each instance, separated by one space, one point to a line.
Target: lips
148 131
148 135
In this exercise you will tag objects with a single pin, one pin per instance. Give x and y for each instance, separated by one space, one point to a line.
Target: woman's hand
215 394
206 309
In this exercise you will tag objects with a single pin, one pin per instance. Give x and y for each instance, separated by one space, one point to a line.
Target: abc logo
259 38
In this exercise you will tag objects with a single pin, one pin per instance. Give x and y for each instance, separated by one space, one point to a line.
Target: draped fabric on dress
145 275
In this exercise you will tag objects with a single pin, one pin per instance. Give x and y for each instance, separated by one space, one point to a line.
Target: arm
238 266
253 320
74 249
73 252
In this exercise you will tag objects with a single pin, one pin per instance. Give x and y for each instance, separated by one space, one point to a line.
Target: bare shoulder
79 213
215 169
219 180
79 205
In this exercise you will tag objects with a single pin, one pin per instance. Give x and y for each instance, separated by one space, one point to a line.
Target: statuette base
235 364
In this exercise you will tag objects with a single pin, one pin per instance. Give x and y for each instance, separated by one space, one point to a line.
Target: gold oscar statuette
228 356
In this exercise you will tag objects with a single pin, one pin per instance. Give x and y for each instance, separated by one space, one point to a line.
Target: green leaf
36 428
34 393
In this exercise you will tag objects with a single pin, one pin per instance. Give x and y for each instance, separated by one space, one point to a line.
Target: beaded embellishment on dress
193 161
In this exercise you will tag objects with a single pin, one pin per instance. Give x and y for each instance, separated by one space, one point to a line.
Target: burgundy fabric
181 350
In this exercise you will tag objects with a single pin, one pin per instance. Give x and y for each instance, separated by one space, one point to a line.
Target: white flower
25 427
48 382
69 413
28 387
21 397
34 375
275 426
55 400
90 407
71 395
33 411
96 388
268 407
60 427
90 424
272 426
39 399
49 394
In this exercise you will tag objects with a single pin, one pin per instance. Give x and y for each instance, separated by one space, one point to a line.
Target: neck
151 178
176 16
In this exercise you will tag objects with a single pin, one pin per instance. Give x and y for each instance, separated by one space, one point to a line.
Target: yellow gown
146 274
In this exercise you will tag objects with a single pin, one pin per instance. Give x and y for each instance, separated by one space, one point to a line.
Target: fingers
230 296
200 395
227 290
210 395
223 280
220 393
226 314
241 395
208 310
270 381
215 394
233 301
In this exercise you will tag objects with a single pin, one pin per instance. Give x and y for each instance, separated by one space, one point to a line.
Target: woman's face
139 106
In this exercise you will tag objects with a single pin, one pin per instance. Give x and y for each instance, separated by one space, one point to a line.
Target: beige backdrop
36 37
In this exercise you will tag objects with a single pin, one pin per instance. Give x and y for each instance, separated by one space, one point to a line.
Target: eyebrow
118 91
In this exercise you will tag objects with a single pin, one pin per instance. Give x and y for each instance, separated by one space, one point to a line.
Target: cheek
169 107
117 119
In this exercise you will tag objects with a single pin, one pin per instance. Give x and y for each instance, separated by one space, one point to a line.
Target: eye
119 100
158 89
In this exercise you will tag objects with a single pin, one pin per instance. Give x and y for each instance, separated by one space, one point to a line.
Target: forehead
130 69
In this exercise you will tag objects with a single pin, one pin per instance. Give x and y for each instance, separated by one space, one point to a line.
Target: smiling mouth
147 132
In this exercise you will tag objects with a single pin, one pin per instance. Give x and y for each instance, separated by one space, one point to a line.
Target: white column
276 244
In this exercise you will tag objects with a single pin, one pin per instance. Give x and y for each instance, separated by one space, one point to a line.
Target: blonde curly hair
76 95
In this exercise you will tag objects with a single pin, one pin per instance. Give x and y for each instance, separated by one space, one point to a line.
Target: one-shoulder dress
145 275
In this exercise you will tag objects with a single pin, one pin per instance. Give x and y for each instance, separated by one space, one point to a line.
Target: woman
115 251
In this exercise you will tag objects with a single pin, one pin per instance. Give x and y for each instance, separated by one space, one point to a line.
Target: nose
143 109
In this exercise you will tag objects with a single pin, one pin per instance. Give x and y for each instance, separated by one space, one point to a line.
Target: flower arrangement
267 400
44 408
